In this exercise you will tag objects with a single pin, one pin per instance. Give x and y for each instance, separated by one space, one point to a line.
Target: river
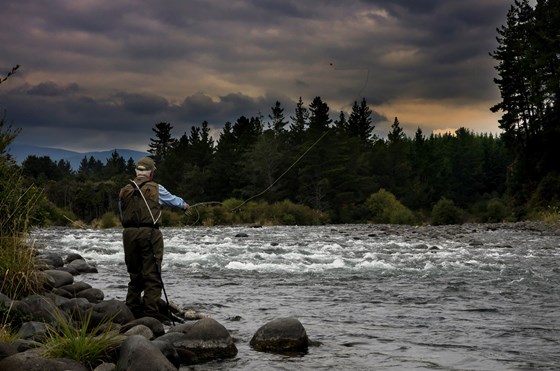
371 297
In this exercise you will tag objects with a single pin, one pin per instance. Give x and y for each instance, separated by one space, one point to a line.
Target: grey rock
76 287
82 266
153 324
60 278
141 330
23 345
5 300
33 330
168 351
281 335
73 256
76 307
42 308
60 292
52 259
138 353
115 309
106 367
201 341
33 361
7 350
92 295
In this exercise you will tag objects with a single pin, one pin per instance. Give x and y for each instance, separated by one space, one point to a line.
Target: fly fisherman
140 205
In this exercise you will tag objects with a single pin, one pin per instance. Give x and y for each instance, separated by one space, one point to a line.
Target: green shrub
547 193
171 218
445 212
386 209
288 213
496 211
234 211
109 220
550 214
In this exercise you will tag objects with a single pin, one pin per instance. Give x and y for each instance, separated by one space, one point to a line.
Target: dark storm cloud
142 104
110 70
49 88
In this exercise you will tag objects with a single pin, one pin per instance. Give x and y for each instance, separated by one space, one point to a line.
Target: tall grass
18 273
18 270
19 276
78 340
7 333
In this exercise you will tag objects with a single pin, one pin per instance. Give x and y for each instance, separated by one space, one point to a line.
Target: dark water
472 297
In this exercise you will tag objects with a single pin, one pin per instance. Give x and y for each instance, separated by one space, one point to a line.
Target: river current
371 297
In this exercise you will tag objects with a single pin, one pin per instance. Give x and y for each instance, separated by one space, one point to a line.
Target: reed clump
19 276
80 340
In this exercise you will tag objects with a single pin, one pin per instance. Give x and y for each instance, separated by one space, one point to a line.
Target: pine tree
319 120
396 134
299 123
360 123
162 143
278 120
224 168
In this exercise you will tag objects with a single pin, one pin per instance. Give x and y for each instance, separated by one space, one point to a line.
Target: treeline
332 167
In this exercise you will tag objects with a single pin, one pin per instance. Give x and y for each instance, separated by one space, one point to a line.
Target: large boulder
153 324
42 308
141 330
168 351
33 361
201 341
76 287
5 300
112 309
33 330
138 353
283 335
82 266
50 259
76 308
73 256
58 278
92 295
7 350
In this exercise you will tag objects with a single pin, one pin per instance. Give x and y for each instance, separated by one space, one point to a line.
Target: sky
100 74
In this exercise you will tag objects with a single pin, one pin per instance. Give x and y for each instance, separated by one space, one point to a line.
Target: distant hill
21 151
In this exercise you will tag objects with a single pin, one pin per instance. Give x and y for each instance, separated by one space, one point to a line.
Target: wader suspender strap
154 220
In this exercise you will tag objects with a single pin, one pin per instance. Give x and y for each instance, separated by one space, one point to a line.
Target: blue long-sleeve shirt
170 200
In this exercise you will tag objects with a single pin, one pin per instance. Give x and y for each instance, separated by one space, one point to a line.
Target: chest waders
156 263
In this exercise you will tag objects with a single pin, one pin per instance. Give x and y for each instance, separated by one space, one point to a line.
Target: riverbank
71 326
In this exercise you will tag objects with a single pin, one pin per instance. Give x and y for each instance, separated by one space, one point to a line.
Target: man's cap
145 163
